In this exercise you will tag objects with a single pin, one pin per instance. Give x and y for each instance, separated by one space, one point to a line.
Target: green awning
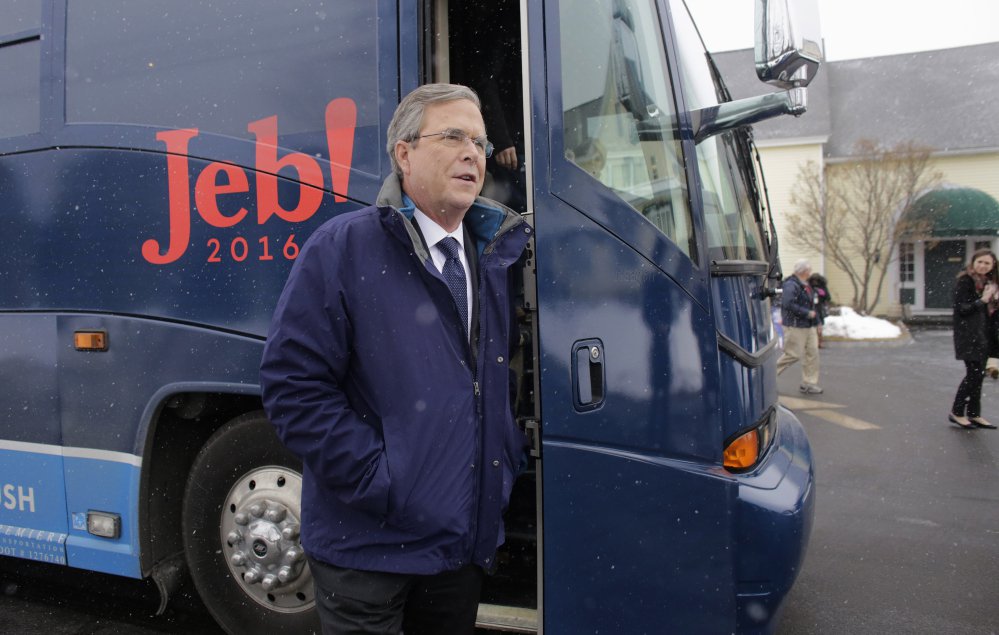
960 211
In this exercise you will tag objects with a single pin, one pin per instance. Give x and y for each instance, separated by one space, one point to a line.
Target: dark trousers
354 602
968 400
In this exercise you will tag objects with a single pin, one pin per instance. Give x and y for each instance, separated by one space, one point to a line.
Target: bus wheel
241 519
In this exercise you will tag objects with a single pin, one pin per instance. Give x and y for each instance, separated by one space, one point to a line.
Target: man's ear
402 155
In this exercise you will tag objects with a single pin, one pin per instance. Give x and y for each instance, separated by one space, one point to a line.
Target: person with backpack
800 320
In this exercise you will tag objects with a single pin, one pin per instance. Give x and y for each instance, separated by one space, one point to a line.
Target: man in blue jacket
387 371
799 319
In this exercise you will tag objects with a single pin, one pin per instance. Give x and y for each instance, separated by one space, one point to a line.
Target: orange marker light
743 451
90 340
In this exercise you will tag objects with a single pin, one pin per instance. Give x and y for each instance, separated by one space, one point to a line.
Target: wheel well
180 427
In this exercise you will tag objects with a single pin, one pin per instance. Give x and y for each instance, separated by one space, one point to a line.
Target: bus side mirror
788 42
626 67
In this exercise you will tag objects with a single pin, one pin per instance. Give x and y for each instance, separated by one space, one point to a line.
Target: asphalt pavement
906 533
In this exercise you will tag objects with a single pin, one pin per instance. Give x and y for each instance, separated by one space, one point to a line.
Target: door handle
588 374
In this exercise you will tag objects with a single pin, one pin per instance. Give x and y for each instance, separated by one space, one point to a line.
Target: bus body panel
108 485
107 403
766 569
749 382
82 244
33 522
635 544
620 505
601 259
173 237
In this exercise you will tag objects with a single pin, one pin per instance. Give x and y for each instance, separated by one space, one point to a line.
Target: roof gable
947 99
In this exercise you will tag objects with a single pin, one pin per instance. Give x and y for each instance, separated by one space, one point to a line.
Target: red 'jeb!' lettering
224 178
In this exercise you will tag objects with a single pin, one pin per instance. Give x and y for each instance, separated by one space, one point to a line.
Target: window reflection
18 16
619 123
20 67
730 224
218 65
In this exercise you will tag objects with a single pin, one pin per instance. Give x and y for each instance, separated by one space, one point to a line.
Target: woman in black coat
976 298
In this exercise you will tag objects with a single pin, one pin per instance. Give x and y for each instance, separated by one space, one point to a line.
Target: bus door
636 511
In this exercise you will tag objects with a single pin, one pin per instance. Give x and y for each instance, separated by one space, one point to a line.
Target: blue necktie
454 276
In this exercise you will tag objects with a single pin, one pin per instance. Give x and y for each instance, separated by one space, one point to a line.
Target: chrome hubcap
260 528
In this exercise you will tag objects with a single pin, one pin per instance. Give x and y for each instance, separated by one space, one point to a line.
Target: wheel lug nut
241 518
256 510
234 537
276 514
291 532
238 559
269 582
252 576
293 554
285 575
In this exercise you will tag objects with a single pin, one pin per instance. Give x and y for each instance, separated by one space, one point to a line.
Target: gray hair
802 266
408 117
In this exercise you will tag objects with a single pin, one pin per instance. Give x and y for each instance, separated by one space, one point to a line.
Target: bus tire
241 519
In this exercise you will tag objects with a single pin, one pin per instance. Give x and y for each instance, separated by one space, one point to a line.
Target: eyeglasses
454 137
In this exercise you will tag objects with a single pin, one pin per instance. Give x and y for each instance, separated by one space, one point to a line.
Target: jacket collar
485 220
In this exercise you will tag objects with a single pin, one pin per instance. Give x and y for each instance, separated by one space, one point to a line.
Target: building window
982 244
906 262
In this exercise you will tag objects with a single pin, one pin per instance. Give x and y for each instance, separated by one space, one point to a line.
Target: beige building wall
979 171
781 163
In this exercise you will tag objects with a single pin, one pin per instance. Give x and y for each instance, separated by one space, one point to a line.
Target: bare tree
857 212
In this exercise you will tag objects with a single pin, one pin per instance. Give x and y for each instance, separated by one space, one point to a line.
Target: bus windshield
731 227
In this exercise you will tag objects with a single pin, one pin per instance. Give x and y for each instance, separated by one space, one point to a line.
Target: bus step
510 619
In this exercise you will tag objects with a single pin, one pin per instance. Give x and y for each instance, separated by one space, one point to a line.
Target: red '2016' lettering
239 249
218 179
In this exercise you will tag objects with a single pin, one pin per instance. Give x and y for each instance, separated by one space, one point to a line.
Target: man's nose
469 151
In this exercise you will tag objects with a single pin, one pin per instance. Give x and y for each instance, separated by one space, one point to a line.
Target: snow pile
853 326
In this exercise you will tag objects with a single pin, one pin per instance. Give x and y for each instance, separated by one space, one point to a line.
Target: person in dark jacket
386 370
822 299
799 319
976 298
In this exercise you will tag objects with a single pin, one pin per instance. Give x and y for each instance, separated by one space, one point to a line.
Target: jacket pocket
433 482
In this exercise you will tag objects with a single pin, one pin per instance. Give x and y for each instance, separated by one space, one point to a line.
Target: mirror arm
743 112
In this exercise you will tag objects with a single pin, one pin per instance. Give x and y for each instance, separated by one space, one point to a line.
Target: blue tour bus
162 163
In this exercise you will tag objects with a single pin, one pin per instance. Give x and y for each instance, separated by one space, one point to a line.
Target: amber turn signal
90 340
743 451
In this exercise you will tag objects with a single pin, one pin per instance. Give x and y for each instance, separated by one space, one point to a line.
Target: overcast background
862 28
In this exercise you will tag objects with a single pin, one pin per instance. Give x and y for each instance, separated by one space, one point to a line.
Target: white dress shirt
433 234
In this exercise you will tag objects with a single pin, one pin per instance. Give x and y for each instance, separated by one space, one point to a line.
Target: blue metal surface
633 489
105 483
80 246
33 522
742 314
635 544
778 499
637 508
662 387
86 453
108 399
171 225
644 530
